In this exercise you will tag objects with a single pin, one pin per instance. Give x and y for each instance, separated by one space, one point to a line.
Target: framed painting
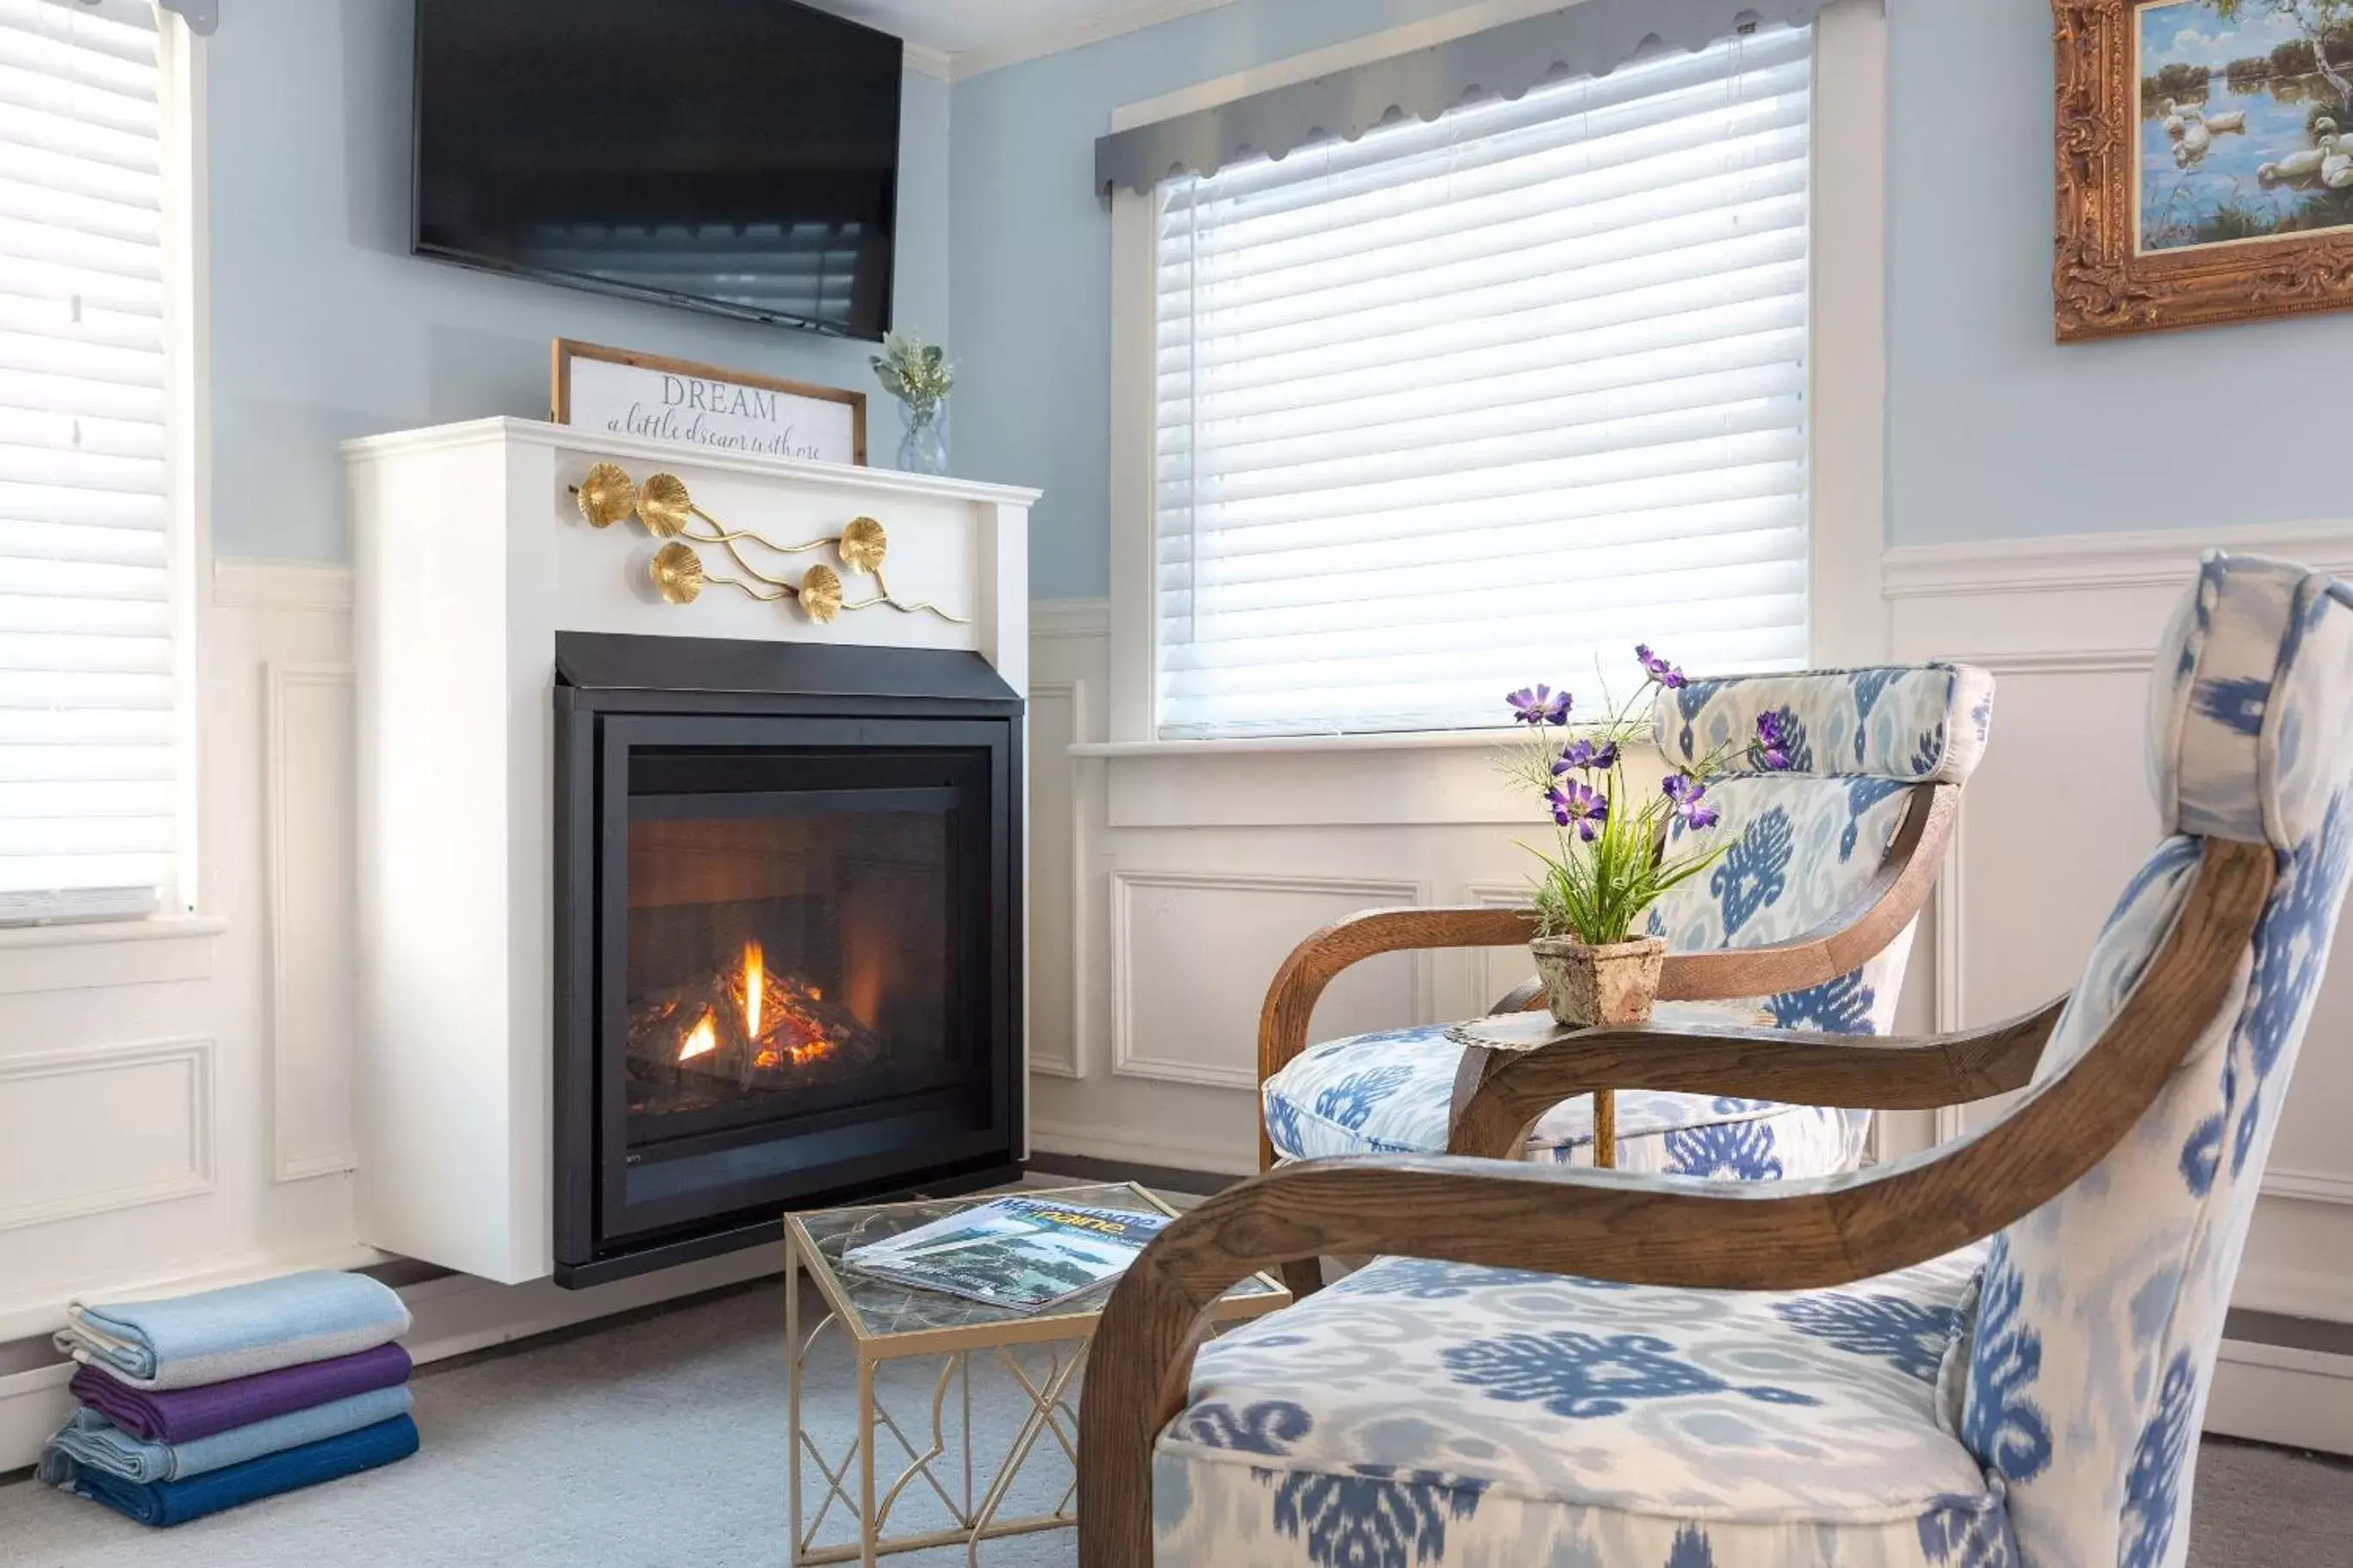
2205 162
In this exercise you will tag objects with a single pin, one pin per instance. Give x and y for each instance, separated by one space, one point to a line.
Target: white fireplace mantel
469 554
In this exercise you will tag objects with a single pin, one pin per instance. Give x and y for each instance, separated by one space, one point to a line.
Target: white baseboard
32 1406
2300 1399
1129 1148
455 1314
458 1313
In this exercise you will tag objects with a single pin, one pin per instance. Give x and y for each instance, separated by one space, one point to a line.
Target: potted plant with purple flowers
1609 865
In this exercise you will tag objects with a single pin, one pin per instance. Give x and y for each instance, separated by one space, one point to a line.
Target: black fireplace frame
613 692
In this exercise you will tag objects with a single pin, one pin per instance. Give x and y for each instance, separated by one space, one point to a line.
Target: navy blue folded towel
176 1502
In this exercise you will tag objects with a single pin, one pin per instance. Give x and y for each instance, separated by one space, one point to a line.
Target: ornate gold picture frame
2195 191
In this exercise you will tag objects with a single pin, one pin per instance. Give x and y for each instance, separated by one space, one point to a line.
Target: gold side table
934 1454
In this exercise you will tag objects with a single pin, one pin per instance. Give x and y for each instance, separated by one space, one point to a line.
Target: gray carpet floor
662 1442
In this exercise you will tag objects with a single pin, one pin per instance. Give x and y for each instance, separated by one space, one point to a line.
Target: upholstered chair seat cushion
1390 1092
1424 1412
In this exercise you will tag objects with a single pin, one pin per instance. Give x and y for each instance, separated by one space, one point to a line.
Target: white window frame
1847 617
181 95
181 55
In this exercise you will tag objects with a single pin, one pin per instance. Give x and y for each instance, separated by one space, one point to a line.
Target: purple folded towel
185 1415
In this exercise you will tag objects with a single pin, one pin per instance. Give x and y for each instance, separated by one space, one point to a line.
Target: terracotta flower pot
1589 986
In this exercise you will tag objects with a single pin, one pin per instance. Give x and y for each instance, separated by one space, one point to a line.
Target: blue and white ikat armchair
1995 1355
1809 915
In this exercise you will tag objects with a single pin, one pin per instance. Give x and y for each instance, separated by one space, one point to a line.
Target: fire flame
701 1040
780 1026
755 976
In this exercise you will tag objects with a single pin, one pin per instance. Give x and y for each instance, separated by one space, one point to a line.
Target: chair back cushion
2100 1313
1807 840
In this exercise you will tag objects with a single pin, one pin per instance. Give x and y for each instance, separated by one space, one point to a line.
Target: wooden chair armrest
1857 933
1291 999
1776 1236
1807 1068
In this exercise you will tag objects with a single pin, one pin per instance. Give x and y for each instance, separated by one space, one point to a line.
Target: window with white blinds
88 722
1487 400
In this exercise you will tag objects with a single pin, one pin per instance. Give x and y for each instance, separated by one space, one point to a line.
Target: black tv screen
739 156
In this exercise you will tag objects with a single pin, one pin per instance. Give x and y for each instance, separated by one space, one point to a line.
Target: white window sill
92 953
1269 745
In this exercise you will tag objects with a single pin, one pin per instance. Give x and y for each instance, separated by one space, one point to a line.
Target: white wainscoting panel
1497 969
2058 818
307 821
1192 954
1057 722
92 1129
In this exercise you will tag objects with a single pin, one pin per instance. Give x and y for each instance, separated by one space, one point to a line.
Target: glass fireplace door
789 954
800 957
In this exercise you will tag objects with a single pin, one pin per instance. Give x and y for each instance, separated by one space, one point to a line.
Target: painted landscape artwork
2246 127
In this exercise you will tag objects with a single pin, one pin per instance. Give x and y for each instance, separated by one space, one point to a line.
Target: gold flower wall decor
664 508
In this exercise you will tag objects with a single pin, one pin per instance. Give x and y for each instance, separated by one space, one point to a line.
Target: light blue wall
1994 431
1031 283
324 326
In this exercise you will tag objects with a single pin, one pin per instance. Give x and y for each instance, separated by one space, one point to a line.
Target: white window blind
87 676
1472 403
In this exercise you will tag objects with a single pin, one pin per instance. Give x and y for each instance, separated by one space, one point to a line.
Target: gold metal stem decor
662 507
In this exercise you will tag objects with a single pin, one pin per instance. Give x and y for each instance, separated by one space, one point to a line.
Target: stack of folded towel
190 1406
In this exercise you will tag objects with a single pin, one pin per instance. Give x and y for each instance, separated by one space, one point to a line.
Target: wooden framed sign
627 393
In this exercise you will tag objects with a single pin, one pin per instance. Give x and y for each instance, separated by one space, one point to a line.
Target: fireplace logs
744 1030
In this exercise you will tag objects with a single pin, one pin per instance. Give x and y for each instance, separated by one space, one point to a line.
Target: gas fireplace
786 926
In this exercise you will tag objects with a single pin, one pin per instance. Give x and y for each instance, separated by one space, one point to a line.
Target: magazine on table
1024 1254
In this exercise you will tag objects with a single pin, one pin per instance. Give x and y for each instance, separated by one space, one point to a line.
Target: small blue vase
925 448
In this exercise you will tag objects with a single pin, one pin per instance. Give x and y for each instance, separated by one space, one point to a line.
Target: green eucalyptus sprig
917 373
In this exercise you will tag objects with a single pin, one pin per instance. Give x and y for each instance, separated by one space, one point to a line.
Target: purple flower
1584 754
1686 792
1658 669
1579 806
1772 748
1538 706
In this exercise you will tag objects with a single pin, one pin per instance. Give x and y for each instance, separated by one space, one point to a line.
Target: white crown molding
1069 618
2067 562
256 582
965 64
925 60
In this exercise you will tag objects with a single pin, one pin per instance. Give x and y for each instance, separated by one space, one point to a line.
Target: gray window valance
1589 39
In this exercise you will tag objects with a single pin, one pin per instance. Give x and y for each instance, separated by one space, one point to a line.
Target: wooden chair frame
1607 1224
1875 917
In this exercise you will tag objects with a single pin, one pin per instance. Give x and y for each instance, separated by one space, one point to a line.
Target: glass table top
877 1309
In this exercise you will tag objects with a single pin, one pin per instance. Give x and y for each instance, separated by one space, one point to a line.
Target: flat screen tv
739 156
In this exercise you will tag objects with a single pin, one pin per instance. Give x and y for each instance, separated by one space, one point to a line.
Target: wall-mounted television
739 156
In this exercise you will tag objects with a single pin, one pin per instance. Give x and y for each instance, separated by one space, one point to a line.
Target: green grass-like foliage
1604 871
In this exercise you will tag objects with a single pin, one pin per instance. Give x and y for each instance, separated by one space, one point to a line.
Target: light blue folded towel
186 1342
91 1439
